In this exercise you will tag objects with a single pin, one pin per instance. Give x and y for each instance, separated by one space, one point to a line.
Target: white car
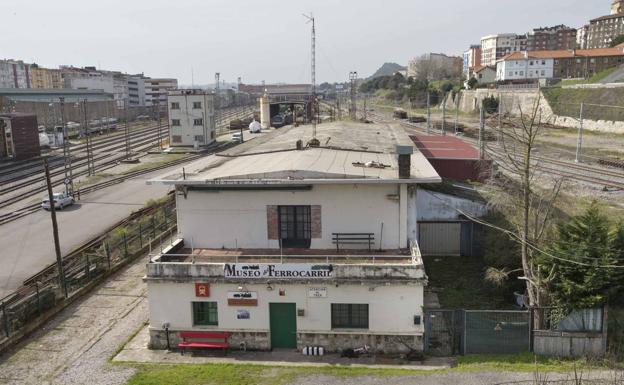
60 201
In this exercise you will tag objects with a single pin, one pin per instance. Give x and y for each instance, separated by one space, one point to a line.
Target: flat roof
444 147
346 153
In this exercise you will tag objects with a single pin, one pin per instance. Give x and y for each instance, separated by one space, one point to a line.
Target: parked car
60 201
277 121
236 137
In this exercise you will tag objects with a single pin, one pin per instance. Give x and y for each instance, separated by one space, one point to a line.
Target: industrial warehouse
284 245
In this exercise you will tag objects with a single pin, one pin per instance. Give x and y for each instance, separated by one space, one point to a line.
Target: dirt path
75 347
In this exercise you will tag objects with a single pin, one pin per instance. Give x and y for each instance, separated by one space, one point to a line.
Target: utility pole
313 76
353 106
126 129
159 142
57 244
69 179
444 114
428 113
217 102
579 142
500 118
364 113
457 114
90 170
481 134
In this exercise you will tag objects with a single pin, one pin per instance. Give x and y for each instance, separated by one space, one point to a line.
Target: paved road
28 244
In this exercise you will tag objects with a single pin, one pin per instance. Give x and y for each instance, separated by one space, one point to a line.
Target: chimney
405 160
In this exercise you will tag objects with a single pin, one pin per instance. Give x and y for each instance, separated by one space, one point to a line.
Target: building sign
202 289
277 271
242 314
242 298
317 292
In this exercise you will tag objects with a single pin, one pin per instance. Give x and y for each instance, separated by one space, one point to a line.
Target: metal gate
497 332
443 332
439 238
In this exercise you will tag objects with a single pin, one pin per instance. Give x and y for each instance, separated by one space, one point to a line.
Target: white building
14 74
494 47
484 75
90 78
257 254
136 91
525 66
191 118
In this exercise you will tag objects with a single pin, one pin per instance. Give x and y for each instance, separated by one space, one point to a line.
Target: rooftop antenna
314 142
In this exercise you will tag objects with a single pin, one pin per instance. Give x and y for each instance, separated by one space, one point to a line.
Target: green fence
497 332
130 238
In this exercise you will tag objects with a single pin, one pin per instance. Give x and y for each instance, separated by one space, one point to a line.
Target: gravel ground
74 348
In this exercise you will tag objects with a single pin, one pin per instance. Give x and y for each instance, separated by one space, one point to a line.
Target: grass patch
567 102
459 283
595 78
92 179
234 374
522 362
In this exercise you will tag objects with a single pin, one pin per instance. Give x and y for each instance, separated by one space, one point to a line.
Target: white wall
186 115
525 69
391 308
438 206
239 218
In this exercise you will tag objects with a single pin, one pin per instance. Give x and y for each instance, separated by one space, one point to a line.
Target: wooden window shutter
272 223
317 228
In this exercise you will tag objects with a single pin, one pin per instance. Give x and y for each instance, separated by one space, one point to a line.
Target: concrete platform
136 351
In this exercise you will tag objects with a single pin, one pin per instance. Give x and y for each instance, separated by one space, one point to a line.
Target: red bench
218 340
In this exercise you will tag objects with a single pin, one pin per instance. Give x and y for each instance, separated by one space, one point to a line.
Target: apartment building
494 47
136 90
14 74
577 63
602 30
191 118
157 89
435 66
45 78
551 38
471 59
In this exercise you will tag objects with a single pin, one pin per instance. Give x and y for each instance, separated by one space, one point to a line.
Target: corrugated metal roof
444 147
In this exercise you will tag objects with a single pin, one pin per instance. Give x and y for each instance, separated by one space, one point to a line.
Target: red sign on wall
202 289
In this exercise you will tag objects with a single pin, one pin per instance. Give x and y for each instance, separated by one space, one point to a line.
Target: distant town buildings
156 90
472 59
551 38
600 31
14 74
435 66
45 78
494 47
578 63
191 118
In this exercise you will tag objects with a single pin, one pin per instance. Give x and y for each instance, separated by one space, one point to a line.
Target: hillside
387 69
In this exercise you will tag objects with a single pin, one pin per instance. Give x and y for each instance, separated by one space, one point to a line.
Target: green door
283 319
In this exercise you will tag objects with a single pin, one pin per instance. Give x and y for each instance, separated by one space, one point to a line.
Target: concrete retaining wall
515 101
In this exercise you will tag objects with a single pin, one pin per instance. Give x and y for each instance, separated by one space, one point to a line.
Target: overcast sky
263 39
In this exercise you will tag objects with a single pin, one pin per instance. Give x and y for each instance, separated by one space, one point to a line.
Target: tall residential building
14 74
136 90
472 59
581 37
191 118
602 30
551 38
435 66
494 47
156 90
45 78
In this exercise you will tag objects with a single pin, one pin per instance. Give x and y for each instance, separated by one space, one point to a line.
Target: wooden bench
353 239
218 340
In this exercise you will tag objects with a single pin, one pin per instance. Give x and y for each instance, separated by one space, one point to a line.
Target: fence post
140 234
88 267
153 227
125 245
531 327
579 139
6 320
108 257
38 298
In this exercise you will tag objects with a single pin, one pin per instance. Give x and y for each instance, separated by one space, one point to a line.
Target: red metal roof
444 147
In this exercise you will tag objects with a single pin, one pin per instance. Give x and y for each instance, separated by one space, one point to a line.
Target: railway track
580 172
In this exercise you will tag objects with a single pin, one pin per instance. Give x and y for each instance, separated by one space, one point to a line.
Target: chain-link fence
135 236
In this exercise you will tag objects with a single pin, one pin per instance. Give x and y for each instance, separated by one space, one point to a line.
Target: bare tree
528 204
